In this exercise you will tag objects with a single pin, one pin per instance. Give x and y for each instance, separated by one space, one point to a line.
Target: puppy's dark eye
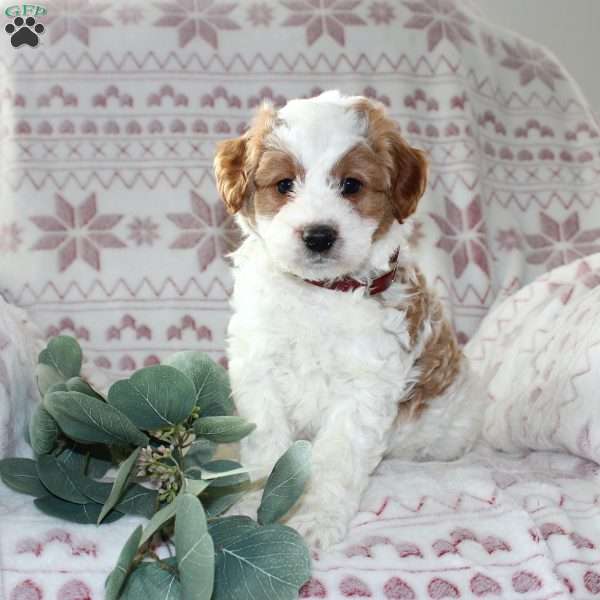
350 186
285 186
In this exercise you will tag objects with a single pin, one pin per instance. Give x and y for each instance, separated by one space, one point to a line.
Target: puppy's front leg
346 451
260 403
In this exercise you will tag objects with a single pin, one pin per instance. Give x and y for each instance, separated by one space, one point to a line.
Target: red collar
348 284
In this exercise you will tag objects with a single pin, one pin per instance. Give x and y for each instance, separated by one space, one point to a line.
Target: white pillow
539 354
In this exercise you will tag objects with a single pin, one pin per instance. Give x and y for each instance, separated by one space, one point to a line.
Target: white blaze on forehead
319 131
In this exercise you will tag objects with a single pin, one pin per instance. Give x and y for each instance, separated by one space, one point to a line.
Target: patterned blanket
488 526
111 230
110 224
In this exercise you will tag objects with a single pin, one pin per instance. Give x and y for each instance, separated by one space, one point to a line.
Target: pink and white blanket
489 525
111 230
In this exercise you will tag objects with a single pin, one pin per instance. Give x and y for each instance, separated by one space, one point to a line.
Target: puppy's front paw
319 530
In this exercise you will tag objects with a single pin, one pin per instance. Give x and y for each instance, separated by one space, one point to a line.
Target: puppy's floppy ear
237 159
230 172
409 179
406 167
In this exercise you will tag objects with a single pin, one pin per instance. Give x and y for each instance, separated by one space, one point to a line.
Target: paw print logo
24 31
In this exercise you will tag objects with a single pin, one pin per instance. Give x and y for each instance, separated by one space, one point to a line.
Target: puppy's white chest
317 348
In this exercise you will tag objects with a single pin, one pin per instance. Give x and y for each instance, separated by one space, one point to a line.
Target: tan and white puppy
322 188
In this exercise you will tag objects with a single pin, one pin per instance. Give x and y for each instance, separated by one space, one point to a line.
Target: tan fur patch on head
441 359
273 167
237 159
371 201
406 167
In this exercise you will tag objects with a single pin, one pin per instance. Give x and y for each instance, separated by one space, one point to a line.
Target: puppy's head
320 181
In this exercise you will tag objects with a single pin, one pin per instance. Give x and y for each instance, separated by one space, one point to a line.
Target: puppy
335 337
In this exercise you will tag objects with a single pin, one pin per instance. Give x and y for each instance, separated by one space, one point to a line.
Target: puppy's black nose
319 238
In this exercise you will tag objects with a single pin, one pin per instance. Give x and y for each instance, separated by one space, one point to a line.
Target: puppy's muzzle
319 238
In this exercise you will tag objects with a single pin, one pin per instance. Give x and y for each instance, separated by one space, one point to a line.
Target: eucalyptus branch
160 428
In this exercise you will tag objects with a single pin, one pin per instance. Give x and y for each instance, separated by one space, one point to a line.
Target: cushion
539 355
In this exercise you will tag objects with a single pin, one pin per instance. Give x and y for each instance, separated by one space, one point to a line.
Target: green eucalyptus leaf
77 384
86 514
227 530
252 559
76 461
153 581
286 483
63 354
138 500
199 453
195 486
194 548
116 579
93 460
74 457
98 461
155 397
96 491
20 474
211 475
120 484
211 382
86 462
89 420
48 379
43 431
233 473
216 505
58 387
224 492
163 516
223 430
58 480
